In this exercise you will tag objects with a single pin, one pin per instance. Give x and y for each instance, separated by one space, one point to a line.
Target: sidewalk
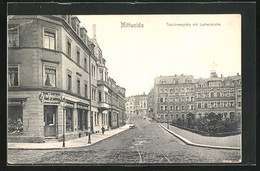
228 142
79 142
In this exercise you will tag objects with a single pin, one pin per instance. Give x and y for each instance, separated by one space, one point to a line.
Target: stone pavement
228 142
79 142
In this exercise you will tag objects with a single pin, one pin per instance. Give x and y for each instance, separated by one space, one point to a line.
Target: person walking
103 129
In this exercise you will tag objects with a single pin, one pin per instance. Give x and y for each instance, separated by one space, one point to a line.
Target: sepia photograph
124 89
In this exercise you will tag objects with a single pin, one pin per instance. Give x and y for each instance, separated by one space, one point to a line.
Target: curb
59 148
199 145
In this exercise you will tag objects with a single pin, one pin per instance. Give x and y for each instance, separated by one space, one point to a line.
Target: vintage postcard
124 89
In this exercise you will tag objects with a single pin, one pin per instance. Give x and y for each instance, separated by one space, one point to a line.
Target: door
50 119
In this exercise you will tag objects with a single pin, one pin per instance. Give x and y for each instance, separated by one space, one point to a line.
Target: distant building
136 105
181 97
56 73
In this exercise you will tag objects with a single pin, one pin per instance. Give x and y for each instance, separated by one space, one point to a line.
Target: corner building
53 80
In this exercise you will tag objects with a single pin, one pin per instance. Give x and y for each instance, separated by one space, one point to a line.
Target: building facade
136 105
183 97
57 79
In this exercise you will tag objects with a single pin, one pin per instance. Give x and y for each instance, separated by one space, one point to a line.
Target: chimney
94 31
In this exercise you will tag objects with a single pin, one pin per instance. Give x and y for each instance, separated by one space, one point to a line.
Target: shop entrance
50 120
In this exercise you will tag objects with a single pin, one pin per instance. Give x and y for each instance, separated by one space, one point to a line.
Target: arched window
212 94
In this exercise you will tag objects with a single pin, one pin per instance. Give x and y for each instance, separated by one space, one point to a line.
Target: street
146 143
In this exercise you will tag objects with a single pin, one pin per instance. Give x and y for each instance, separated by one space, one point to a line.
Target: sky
166 45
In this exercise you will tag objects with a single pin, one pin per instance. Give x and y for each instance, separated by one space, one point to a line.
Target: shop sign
50 97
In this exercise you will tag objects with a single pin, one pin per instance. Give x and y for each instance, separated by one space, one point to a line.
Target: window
199 105
49 40
69 82
218 94
161 99
93 93
85 64
99 96
192 99
161 108
93 67
13 76
95 118
182 107
86 90
13 37
50 76
166 107
232 115
212 94
78 57
192 107
171 107
239 104
69 48
177 107
205 105
78 86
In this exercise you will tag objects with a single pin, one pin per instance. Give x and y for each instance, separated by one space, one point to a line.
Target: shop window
13 76
50 76
49 39
69 120
15 120
13 37
84 115
80 120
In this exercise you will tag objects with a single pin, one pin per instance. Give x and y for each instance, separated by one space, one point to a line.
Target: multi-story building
173 97
150 104
178 97
136 105
57 78
219 95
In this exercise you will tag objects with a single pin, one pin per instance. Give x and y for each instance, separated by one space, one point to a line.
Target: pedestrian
103 129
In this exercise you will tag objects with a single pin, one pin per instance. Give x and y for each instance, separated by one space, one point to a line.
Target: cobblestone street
147 143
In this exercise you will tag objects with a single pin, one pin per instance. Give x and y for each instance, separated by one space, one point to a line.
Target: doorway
50 120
